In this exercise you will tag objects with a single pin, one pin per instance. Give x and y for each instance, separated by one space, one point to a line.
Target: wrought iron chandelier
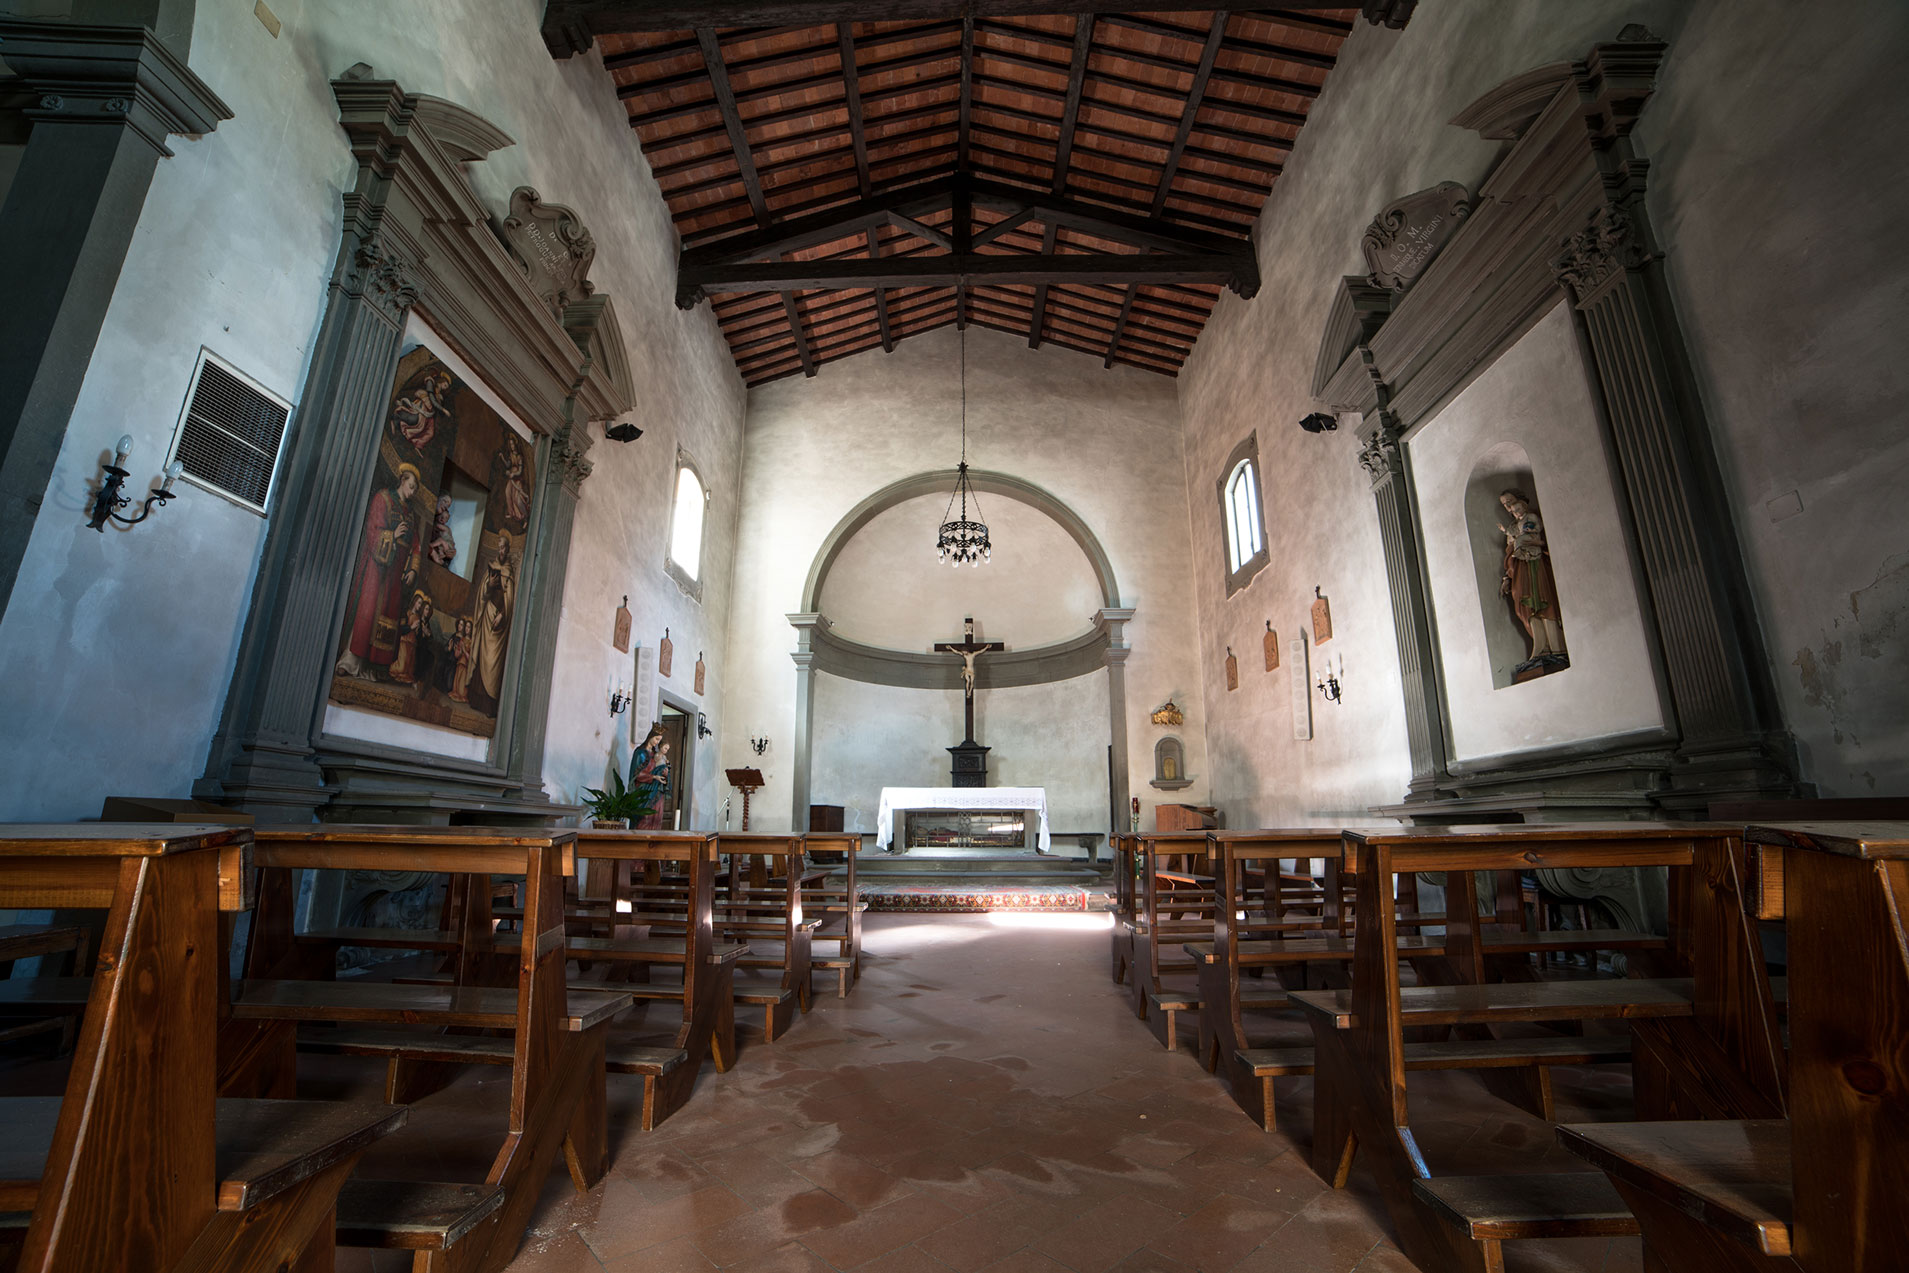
962 541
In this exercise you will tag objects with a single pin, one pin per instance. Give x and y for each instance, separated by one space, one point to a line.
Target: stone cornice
85 73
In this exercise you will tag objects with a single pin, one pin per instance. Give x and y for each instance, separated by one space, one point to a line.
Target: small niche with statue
1517 586
1169 765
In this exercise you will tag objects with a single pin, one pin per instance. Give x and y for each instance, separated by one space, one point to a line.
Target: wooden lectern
747 781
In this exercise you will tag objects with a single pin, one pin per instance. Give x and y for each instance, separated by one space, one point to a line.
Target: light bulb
125 447
173 470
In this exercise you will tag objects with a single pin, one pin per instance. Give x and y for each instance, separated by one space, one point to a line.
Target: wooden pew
763 908
1125 850
139 1166
1822 1190
1173 903
1460 1222
556 1045
836 902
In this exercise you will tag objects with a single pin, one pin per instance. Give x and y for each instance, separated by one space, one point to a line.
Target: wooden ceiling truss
847 174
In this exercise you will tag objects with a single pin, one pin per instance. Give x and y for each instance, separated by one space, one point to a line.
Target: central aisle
984 1100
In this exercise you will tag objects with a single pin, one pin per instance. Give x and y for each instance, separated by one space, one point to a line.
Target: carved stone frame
1562 218
415 237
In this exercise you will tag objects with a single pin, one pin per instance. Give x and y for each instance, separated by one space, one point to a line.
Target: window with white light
1240 518
685 562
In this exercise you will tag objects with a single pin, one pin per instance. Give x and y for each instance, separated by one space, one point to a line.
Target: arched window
1240 517
685 560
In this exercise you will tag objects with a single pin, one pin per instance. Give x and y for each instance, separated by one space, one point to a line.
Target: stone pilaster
564 470
807 627
1113 622
100 102
1384 462
1613 269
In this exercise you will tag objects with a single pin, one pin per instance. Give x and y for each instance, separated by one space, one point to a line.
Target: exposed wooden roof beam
795 329
1070 110
1196 93
1233 271
1120 323
570 26
732 121
856 126
967 94
1039 324
881 294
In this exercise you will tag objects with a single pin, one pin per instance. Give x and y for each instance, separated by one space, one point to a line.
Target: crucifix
969 649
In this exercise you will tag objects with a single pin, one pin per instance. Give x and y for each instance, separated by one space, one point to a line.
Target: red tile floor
985 1102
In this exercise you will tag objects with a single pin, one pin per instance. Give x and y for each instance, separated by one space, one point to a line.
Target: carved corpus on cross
969 649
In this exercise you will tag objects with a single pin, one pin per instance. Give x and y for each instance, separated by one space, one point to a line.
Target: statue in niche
1531 588
649 771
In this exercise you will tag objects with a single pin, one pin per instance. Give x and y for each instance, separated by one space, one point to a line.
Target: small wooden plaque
1232 669
1321 618
1272 647
699 672
664 650
620 635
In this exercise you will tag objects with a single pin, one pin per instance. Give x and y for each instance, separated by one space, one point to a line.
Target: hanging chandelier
962 541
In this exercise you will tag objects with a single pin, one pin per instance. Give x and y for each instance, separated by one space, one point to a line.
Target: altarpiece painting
435 579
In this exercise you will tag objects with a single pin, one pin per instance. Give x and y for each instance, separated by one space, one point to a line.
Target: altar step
1025 868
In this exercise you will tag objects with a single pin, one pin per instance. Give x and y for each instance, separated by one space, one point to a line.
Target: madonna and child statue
1531 589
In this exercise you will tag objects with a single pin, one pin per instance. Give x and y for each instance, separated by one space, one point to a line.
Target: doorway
679 733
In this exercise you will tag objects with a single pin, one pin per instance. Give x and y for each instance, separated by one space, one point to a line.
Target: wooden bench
1822 1189
837 903
558 1041
140 1165
1173 903
762 907
65 945
1360 1098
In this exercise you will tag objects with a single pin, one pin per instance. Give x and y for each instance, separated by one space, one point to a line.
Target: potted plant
619 807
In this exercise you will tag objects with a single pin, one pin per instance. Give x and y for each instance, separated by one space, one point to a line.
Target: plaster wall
872 736
1611 686
1774 188
887 587
1105 443
118 647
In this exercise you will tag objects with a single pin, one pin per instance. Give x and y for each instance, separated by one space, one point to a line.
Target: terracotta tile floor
984 1102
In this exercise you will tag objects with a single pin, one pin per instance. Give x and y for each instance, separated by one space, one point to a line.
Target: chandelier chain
962 541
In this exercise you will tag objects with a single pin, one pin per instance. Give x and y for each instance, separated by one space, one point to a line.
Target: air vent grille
230 437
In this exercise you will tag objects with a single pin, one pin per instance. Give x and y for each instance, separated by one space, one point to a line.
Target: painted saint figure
1529 585
497 601
417 626
443 548
463 657
649 771
514 481
387 563
417 417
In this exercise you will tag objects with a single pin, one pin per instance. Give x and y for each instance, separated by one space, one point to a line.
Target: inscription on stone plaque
1402 240
1300 687
551 247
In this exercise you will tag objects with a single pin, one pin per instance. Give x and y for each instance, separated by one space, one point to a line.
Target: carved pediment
1404 238
1504 113
1359 308
551 247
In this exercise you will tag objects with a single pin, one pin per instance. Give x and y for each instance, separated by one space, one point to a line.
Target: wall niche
1511 556
1169 764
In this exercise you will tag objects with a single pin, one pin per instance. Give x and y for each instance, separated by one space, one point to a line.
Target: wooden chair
1821 1189
555 1041
139 1166
1360 1099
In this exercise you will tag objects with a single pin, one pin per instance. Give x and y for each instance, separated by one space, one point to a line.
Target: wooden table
557 1048
138 1166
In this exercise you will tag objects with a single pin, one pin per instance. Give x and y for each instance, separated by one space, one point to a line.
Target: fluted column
806 626
1384 462
1113 621
564 469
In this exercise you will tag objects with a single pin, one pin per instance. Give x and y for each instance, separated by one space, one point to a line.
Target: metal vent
229 438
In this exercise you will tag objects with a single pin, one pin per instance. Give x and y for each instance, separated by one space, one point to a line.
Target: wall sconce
1328 685
702 726
619 699
759 745
109 501
1319 422
622 432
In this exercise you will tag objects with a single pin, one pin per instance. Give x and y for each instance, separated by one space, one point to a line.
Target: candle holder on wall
109 501
1328 686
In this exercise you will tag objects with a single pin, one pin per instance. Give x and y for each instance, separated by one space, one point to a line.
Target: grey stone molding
1562 217
852 660
415 237
96 104
1403 239
983 480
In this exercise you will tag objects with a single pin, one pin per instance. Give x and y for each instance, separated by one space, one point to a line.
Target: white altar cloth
894 798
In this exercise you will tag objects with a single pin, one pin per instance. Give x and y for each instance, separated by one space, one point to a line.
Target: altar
959 799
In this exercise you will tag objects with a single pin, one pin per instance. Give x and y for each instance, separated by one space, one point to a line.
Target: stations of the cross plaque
970 757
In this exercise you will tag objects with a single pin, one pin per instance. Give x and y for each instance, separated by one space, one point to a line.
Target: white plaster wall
1775 188
872 736
1106 443
886 587
1611 686
116 649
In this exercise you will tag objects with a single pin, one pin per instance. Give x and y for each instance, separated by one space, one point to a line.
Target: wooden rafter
732 121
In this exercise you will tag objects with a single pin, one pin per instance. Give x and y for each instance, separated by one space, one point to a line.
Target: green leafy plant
620 803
